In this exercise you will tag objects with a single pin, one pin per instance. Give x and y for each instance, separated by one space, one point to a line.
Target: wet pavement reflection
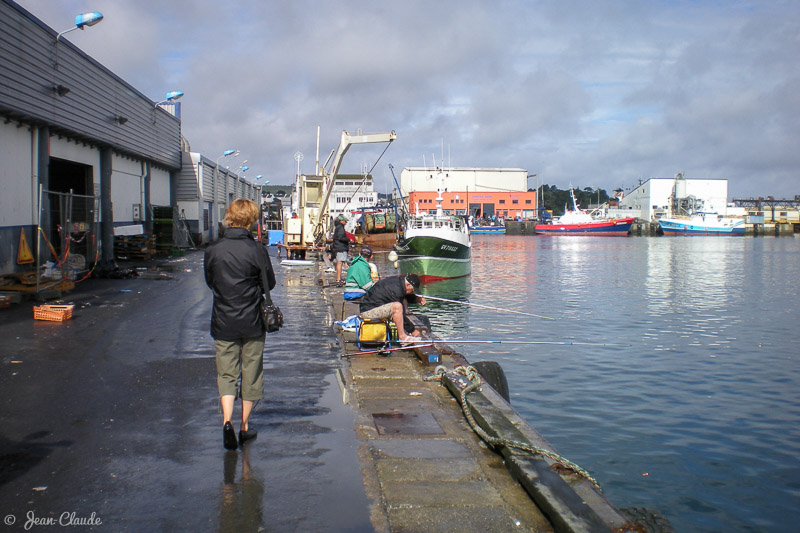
115 412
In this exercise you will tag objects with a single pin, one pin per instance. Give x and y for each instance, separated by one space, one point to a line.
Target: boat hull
433 258
672 227
488 230
618 227
377 240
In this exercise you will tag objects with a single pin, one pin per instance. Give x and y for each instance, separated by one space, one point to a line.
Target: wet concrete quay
113 416
115 412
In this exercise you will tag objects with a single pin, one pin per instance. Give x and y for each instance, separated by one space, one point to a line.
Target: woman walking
233 267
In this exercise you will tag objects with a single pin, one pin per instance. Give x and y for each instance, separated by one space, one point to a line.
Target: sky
586 92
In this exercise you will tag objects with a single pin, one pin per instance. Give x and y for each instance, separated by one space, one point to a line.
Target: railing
455 223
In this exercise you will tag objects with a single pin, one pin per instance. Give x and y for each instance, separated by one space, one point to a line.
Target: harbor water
695 410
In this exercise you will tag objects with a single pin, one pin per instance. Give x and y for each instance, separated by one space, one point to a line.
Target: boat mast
572 195
439 187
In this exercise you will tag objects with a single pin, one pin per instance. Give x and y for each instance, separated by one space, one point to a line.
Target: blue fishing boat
702 224
497 229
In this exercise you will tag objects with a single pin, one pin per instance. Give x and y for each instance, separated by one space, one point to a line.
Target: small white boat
297 263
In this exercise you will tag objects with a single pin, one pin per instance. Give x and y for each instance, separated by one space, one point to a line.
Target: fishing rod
491 341
485 306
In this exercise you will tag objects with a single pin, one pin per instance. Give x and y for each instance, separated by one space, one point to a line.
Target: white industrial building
352 193
659 197
204 191
420 179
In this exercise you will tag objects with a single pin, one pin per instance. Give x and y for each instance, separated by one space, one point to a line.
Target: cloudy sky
598 94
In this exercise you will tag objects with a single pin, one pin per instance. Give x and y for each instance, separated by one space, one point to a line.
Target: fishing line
491 341
485 307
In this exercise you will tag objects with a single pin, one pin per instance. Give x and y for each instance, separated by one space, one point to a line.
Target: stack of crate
134 247
163 229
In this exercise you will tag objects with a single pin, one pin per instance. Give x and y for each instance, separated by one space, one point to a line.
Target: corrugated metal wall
32 63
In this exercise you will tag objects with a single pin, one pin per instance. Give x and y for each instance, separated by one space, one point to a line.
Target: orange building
478 204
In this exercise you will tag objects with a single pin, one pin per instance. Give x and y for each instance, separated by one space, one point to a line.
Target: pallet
137 247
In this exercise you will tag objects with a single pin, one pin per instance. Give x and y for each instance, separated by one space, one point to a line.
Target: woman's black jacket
233 273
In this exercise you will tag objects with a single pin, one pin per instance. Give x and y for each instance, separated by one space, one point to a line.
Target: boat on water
497 229
435 245
576 221
377 227
702 224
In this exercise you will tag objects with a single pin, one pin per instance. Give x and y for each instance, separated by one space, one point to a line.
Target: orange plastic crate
54 313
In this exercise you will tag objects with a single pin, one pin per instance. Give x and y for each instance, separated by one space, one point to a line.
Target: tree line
554 199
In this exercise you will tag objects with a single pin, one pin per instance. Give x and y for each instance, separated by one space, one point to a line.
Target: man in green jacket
359 279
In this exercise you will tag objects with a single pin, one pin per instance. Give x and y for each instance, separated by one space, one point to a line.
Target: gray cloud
591 93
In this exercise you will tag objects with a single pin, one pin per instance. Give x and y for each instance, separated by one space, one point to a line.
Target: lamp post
536 211
170 97
82 21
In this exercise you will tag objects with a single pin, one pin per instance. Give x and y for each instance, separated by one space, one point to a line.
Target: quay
114 413
426 469
644 228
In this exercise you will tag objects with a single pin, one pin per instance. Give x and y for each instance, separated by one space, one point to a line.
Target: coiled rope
475 381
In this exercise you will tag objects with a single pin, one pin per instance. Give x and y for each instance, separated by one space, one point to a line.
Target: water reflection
240 500
706 390
448 319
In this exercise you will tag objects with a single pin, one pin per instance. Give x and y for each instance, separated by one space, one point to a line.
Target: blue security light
88 19
226 153
244 168
171 97
82 21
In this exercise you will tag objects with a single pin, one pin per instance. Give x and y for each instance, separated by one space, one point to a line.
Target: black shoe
250 434
228 437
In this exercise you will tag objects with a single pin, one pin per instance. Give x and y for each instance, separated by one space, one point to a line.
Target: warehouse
664 197
477 192
84 156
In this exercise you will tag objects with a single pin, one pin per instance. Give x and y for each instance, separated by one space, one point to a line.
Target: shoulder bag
270 313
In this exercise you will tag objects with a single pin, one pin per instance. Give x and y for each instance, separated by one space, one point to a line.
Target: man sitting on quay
359 276
389 298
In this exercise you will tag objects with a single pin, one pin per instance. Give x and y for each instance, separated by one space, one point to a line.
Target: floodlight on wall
60 90
170 97
82 21
119 119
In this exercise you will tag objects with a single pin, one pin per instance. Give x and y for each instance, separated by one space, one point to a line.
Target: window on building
514 202
527 202
502 201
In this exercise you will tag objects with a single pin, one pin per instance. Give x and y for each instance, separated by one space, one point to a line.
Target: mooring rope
475 381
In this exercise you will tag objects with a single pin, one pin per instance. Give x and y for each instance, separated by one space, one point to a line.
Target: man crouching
389 298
